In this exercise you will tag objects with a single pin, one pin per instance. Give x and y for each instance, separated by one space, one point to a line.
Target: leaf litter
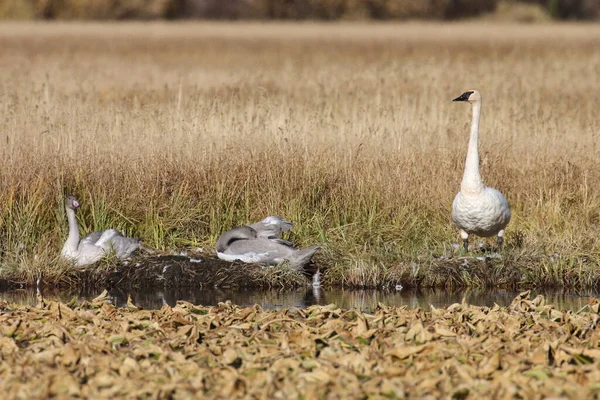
94 350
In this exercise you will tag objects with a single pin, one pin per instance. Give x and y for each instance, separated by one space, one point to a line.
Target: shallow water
365 300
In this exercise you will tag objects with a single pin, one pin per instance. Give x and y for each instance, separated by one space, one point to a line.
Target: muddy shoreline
170 271
202 271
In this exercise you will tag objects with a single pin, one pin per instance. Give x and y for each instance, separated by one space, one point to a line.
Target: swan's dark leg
500 239
465 237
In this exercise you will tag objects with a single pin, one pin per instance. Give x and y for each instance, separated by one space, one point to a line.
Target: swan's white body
96 245
478 209
244 244
485 214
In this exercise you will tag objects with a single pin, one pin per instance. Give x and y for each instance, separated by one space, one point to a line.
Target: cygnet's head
472 96
71 202
277 220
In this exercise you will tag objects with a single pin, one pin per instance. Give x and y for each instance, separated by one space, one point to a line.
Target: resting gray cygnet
97 244
245 244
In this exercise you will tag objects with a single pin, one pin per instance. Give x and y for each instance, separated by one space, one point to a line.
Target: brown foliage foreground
527 350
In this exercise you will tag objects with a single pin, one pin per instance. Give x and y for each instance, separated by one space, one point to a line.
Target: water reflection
365 300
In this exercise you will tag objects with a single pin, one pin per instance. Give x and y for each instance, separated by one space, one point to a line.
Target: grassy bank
527 350
330 10
175 133
277 10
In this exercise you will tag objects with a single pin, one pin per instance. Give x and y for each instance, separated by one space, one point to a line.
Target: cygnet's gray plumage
271 227
97 244
244 244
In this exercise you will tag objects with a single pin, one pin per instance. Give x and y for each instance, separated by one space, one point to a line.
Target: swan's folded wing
89 254
92 238
284 242
124 246
106 237
261 250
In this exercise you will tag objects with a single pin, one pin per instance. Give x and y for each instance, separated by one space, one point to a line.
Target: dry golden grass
176 132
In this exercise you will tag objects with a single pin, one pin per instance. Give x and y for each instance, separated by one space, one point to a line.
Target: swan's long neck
472 183
73 238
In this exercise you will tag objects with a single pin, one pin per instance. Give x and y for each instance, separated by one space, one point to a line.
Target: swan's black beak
463 97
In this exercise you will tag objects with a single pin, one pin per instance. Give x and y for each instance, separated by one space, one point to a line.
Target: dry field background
176 132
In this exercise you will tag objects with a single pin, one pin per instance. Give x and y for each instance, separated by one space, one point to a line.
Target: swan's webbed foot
466 244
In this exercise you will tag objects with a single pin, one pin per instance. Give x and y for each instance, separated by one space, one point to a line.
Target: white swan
244 244
478 209
97 244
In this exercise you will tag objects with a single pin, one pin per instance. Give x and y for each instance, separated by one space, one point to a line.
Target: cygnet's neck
73 239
